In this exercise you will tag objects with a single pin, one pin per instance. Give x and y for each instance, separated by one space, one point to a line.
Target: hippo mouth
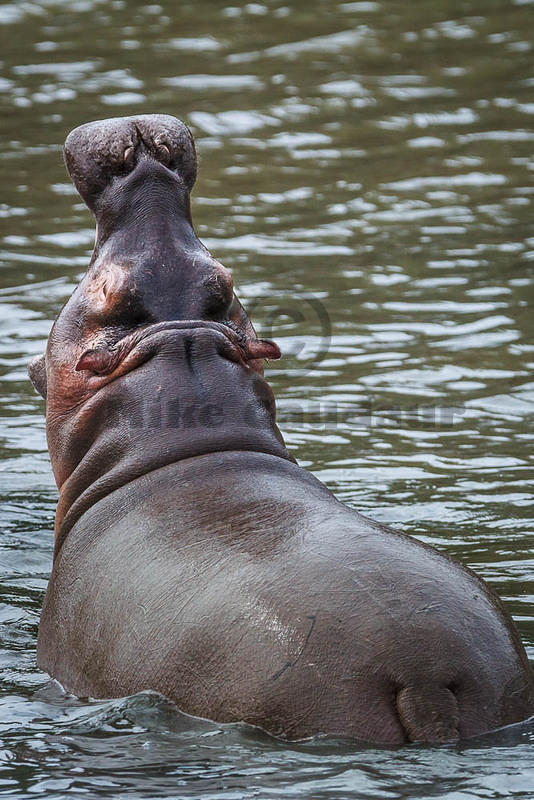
132 350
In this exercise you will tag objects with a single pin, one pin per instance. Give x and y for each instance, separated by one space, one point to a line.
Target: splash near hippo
193 556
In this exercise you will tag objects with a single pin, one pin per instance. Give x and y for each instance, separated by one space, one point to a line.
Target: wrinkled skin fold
193 555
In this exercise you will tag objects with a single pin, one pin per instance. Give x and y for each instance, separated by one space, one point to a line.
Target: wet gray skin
193 555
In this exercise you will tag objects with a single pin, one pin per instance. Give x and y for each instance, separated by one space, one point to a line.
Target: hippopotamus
193 556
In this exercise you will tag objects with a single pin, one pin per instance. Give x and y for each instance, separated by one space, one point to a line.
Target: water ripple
369 159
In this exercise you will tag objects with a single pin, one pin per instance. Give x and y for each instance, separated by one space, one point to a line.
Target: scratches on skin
228 537
179 612
429 607
181 666
177 617
371 592
309 710
289 664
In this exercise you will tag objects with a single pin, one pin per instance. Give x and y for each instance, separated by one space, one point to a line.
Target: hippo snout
98 152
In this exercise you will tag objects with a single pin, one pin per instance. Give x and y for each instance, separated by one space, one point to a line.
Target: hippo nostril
164 153
128 156
163 149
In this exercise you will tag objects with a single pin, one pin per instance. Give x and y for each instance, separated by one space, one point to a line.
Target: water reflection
375 156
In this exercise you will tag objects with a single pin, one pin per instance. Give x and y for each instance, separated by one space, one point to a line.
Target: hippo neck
138 426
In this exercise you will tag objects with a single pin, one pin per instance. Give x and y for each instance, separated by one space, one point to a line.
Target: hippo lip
248 347
134 348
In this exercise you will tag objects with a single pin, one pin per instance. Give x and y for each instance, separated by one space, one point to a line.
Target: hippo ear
37 373
100 361
262 348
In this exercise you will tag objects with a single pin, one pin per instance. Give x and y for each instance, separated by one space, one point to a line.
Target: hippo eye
219 296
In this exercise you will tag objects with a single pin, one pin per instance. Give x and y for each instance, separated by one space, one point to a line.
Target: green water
366 170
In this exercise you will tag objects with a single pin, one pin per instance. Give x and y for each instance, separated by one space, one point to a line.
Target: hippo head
136 175
153 323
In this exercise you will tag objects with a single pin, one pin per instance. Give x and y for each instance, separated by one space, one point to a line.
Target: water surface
366 169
